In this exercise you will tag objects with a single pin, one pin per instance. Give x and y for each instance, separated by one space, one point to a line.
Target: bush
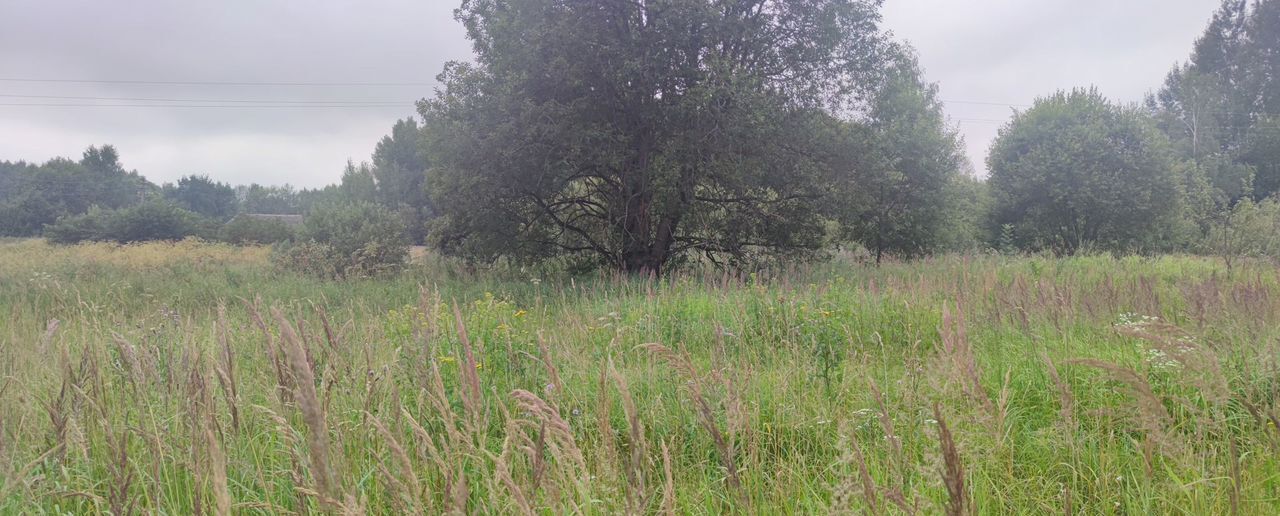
151 220
347 240
73 229
249 230
1247 230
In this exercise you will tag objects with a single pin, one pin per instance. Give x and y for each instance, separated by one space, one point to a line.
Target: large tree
1076 171
33 196
1220 108
204 196
636 132
400 167
906 162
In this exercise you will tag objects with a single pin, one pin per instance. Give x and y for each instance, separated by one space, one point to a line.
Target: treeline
641 136
95 198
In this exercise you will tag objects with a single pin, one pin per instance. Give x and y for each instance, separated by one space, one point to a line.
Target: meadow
194 378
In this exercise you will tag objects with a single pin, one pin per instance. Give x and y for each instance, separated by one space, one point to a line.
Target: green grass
128 404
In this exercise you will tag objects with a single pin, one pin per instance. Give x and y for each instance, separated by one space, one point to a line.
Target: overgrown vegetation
187 378
347 240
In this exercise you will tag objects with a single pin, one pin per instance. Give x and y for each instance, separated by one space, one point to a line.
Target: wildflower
521 313
448 359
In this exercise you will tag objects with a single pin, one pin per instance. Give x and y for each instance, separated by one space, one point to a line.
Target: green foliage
275 200
1247 230
155 219
1076 172
73 229
202 195
151 220
400 164
250 230
1221 106
347 240
33 196
896 197
642 133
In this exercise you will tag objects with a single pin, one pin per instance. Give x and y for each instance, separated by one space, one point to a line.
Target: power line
211 83
238 101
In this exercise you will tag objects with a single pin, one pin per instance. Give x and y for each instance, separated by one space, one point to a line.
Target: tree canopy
1077 171
636 133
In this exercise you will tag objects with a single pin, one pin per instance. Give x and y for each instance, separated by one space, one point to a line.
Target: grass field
194 378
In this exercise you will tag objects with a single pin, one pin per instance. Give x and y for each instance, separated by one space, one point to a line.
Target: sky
151 76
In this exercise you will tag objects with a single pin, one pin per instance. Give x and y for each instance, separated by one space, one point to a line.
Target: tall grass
194 378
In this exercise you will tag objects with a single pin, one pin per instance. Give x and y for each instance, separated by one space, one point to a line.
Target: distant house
292 221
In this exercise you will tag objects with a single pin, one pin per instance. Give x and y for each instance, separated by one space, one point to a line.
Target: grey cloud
1003 51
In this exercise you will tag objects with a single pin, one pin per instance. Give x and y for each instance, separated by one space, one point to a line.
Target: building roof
291 220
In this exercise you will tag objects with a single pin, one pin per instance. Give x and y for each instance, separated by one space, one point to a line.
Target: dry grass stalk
503 467
638 492
47 338
955 345
958 502
129 357
119 498
706 414
227 370
290 438
607 458
210 465
427 451
312 412
669 486
470 377
406 483
890 433
843 494
556 385
563 446
284 379
1066 401
1198 365
1236 481
1149 413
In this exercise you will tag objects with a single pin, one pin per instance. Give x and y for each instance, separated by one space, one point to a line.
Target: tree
358 184
400 166
202 195
636 133
276 200
36 195
905 180
1076 171
1220 108
108 184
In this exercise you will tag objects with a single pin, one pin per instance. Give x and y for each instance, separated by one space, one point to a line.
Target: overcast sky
988 56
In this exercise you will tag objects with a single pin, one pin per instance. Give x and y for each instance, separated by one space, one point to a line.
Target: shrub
249 230
347 240
73 229
1247 230
151 220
